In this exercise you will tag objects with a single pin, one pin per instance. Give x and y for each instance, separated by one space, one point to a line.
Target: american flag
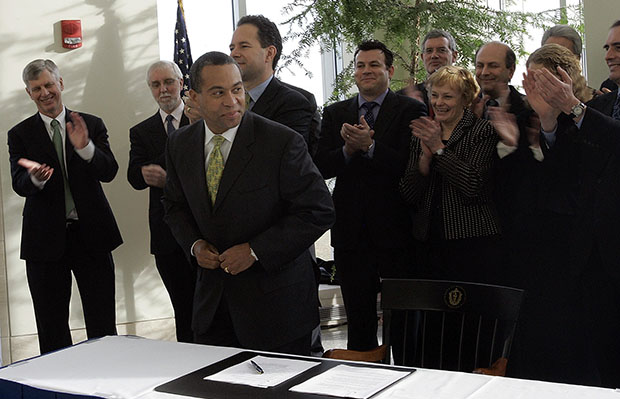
182 52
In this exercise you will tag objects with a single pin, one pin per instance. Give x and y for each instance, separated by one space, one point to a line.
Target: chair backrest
376 355
450 324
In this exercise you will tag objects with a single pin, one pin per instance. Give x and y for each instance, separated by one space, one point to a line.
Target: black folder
194 384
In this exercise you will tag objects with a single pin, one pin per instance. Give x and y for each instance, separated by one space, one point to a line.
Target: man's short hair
164 64
615 24
511 58
210 58
268 34
376 45
566 32
439 33
34 69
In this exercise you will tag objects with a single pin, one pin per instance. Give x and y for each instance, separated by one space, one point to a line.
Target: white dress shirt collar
229 135
47 121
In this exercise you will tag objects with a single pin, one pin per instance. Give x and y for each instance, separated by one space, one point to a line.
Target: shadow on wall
101 78
106 74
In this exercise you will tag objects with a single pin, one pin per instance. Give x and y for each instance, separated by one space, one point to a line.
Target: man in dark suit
365 144
495 66
58 160
583 153
516 193
315 123
147 168
438 49
256 45
518 149
245 201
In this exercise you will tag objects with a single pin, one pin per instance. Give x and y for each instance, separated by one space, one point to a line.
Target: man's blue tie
368 115
169 126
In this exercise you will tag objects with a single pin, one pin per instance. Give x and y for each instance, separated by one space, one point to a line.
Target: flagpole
182 52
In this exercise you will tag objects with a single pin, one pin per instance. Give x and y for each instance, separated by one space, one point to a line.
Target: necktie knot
369 106
55 124
492 103
217 141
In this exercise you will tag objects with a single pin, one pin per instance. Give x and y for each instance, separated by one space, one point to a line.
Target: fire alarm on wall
71 33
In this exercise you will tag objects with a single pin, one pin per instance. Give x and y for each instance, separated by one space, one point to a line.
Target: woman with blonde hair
447 183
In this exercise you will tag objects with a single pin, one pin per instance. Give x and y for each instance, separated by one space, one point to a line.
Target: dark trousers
553 341
602 300
179 278
359 271
50 288
222 333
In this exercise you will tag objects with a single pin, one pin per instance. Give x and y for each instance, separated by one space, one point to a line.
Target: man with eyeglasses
438 49
147 169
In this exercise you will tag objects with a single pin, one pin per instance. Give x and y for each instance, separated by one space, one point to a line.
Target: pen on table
258 368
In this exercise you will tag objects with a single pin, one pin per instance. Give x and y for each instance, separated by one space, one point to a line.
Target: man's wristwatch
577 110
370 147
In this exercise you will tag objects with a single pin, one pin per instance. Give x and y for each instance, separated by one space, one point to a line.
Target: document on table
275 371
350 382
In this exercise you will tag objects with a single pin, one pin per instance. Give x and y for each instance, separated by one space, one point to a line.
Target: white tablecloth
130 368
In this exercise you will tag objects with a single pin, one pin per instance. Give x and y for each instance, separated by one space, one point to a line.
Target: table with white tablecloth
131 368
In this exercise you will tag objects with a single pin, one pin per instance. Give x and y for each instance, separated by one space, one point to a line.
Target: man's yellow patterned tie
248 100
215 167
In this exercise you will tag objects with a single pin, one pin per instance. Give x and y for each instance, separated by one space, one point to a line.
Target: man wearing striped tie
364 143
147 169
58 160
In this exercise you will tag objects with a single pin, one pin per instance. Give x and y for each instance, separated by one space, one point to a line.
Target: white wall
105 77
598 17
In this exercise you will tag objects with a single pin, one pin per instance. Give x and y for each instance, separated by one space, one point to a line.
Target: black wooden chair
452 325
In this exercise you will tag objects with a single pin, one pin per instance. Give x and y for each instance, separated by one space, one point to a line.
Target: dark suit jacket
582 183
366 193
270 195
44 223
315 124
463 174
516 174
422 88
286 106
148 142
